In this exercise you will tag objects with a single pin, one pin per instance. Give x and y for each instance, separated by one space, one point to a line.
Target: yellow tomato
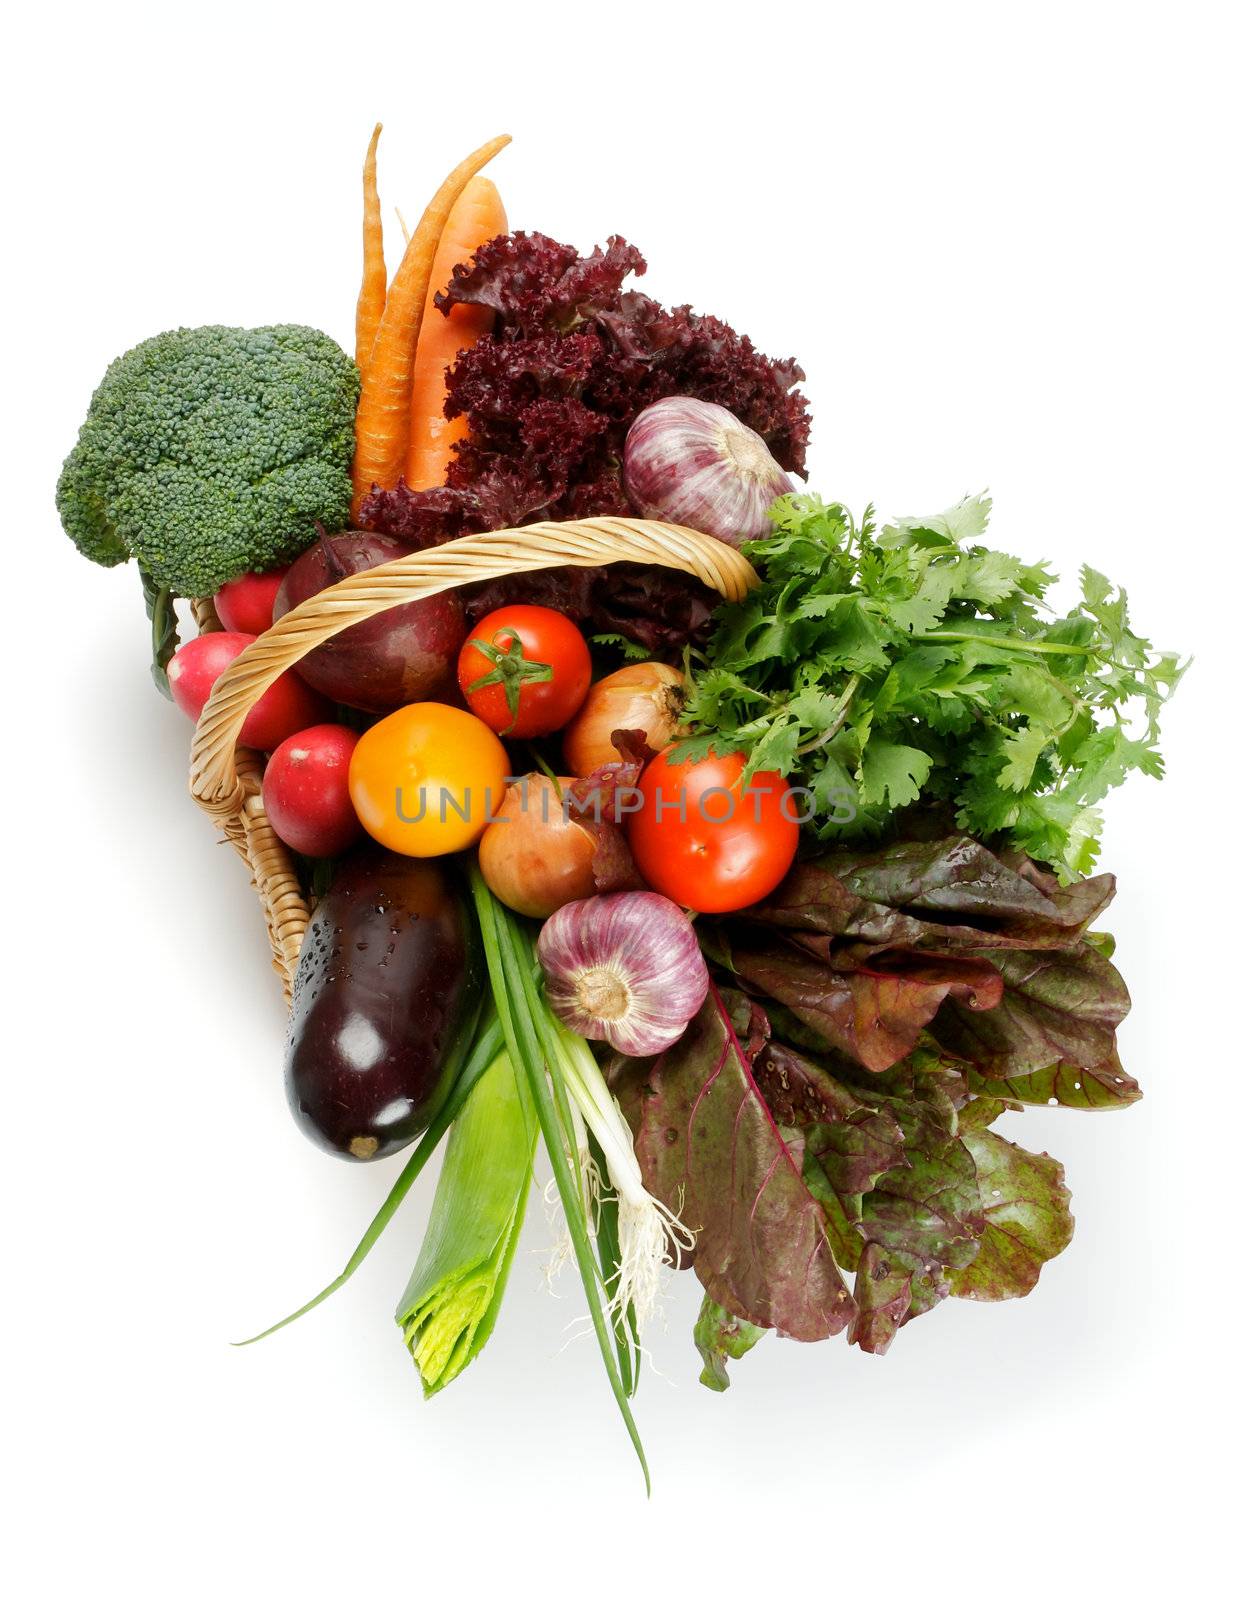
428 779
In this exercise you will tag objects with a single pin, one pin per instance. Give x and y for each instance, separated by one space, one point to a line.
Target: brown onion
533 856
647 697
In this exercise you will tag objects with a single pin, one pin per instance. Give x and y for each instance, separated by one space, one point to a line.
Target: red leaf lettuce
836 1117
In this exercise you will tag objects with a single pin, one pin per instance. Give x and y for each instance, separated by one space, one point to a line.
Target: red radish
244 605
306 790
285 708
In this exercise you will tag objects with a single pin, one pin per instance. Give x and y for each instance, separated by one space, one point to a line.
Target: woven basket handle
594 542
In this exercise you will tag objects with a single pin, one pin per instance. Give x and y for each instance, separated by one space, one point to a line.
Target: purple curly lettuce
549 396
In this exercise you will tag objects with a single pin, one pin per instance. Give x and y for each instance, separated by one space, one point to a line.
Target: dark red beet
406 654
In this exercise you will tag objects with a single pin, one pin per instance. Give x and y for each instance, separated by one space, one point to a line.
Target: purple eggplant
385 1001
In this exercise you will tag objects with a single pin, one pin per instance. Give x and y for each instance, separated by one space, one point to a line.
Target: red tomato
707 842
525 670
287 707
245 604
306 790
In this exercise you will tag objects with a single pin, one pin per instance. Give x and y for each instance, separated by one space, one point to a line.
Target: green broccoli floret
208 452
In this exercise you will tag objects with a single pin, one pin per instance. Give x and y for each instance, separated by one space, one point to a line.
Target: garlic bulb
693 462
625 968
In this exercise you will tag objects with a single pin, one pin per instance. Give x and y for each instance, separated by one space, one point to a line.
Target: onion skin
646 696
624 968
533 857
694 462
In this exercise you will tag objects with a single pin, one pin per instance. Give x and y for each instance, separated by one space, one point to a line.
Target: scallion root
649 1233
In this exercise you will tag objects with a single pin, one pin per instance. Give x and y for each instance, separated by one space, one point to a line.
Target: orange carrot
382 423
478 217
371 294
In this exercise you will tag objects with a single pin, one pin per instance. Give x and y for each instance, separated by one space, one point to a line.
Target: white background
1002 240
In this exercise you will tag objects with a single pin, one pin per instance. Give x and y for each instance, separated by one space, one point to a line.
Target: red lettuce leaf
1052 1037
535 285
920 1199
884 1299
894 1030
897 1184
874 1012
987 953
710 1149
942 894
853 1142
719 1338
923 1219
896 1181
1027 1218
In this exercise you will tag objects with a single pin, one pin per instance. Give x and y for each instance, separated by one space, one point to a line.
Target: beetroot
402 655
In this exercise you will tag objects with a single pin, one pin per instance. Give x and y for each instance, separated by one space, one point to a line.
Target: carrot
371 294
382 422
478 217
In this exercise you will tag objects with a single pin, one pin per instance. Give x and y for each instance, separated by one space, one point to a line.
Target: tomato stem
510 668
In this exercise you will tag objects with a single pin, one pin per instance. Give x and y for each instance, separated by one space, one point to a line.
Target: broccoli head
208 452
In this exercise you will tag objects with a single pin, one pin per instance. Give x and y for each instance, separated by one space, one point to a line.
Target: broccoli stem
163 615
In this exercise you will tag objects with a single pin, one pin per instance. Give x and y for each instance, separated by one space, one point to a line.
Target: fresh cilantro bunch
915 666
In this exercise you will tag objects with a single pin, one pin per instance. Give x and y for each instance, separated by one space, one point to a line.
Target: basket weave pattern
226 780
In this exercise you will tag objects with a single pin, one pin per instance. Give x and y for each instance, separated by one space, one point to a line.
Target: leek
525 1024
454 1295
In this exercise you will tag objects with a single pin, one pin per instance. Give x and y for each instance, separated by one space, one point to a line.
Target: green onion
609 1253
648 1232
451 1303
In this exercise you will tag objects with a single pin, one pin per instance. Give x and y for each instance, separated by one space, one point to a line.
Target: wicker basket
226 781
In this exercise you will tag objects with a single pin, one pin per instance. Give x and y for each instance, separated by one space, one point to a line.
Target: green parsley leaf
915 667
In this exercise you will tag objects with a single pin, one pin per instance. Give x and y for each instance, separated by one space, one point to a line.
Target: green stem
509 669
163 615
567 1172
1061 687
844 705
609 1254
539 761
1038 646
518 1007
554 1038
484 1053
